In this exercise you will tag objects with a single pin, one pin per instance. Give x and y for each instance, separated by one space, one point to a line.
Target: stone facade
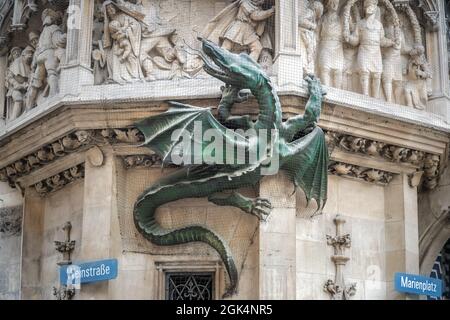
76 75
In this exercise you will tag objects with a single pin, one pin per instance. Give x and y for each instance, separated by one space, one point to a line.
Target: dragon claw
234 93
261 208
242 97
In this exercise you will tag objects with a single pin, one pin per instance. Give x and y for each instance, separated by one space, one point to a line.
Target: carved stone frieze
429 163
73 142
59 180
357 172
131 135
141 161
83 139
372 47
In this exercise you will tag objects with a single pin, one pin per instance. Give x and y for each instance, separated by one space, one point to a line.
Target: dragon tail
144 218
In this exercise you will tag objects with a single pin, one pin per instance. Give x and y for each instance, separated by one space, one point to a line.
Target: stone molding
336 168
71 143
83 139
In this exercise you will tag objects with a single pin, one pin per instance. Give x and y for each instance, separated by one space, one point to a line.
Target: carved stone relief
243 26
331 50
135 45
17 80
49 54
369 37
11 220
133 42
308 32
373 47
33 67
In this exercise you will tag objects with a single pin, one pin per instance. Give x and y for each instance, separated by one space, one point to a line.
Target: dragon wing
166 133
306 162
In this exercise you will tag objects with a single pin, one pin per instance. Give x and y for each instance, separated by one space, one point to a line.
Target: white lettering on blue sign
86 272
416 284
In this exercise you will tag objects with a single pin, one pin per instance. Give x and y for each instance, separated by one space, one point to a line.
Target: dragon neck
316 99
269 106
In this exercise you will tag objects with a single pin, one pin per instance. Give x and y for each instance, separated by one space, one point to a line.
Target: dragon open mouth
234 69
215 61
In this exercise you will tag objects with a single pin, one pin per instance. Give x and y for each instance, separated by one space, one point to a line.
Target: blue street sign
415 284
86 272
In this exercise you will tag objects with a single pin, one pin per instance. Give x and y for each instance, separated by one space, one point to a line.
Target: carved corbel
95 156
415 178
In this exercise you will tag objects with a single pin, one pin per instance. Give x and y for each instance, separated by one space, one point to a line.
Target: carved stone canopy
430 11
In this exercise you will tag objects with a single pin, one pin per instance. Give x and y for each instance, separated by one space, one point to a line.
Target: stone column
287 60
3 66
98 209
76 71
277 240
32 240
401 232
436 41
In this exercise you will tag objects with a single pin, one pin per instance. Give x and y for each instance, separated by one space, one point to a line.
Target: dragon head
237 70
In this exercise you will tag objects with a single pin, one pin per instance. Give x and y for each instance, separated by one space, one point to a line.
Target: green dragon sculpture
298 143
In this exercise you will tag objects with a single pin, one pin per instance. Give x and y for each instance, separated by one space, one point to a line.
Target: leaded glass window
189 286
